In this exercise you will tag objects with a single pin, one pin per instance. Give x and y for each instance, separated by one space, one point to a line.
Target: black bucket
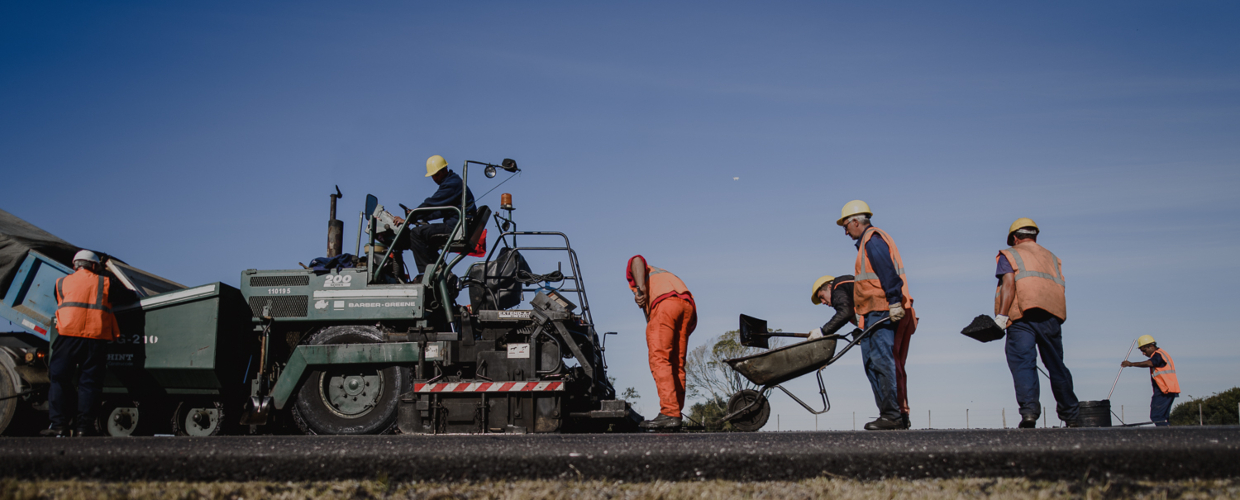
1095 413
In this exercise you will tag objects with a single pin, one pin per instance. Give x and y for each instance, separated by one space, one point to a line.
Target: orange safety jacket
83 308
1039 281
1165 376
868 294
662 285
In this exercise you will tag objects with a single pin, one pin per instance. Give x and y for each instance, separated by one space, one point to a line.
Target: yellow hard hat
1021 222
813 294
434 164
852 208
1145 340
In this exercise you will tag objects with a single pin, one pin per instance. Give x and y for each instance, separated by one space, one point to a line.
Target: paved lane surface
1156 454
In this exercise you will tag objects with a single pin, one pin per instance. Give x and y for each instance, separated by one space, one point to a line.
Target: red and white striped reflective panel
489 387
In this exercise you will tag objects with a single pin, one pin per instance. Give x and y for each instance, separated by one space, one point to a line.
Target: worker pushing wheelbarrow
749 409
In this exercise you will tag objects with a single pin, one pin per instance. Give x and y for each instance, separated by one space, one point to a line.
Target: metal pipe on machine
335 228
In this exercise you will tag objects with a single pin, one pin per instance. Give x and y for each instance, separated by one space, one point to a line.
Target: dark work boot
1028 421
661 422
55 432
883 424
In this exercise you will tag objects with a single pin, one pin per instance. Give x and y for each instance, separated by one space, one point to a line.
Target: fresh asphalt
1054 454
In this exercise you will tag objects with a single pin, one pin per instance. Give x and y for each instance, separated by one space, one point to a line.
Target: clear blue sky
719 139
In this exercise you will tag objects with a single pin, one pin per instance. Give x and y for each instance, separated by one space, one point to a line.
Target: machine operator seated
448 194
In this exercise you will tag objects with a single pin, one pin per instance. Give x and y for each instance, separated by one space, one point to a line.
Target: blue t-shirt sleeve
1158 360
1003 267
880 259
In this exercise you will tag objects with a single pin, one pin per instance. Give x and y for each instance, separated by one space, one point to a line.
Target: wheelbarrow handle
865 333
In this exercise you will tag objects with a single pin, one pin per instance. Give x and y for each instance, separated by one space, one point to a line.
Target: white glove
815 334
897 312
1002 321
859 319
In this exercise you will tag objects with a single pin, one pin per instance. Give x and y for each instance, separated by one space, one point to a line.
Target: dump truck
348 345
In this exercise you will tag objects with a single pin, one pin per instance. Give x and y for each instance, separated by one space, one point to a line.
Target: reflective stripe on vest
1045 292
1165 377
97 306
1023 272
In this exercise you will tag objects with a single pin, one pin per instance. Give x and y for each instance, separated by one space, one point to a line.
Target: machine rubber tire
205 418
753 419
314 409
8 407
119 419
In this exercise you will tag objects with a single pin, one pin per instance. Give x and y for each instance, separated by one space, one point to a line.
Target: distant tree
1219 409
630 394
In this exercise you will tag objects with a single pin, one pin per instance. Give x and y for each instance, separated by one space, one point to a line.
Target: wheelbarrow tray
785 363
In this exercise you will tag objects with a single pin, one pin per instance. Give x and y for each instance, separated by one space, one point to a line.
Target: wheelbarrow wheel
756 416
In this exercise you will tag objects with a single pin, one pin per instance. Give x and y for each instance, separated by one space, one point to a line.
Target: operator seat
473 232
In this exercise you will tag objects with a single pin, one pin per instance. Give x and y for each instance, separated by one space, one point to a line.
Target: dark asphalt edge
400 459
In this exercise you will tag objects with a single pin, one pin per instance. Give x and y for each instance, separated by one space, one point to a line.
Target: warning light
505 201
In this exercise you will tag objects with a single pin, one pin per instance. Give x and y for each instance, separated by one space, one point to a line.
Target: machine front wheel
756 416
348 399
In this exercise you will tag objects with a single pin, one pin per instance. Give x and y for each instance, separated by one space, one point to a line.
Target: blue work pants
1038 332
82 359
877 355
1160 408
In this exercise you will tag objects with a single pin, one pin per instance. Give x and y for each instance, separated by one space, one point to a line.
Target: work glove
815 334
859 320
897 312
1002 321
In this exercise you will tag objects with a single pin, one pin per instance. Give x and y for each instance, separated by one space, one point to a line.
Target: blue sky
196 140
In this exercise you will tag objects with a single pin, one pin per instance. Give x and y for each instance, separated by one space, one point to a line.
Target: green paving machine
353 348
346 346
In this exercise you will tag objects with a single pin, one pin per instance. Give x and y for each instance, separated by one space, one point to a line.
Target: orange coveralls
671 318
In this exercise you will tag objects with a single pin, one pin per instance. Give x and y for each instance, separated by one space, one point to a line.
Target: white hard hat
86 255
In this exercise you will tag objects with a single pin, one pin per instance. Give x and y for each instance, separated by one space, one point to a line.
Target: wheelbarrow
749 409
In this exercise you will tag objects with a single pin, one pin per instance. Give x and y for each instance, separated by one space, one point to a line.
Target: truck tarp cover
17 237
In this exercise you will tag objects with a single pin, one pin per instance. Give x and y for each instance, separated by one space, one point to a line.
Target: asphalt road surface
1053 454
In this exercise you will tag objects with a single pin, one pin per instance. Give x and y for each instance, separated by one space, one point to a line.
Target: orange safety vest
1165 376
83 308
661 284
1039 281
868 294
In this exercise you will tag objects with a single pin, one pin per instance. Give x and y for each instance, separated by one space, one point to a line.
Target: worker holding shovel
1030 304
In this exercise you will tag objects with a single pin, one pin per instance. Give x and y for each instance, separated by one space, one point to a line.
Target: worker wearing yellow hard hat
1162 376
448 195
880 292
835 292
1030 304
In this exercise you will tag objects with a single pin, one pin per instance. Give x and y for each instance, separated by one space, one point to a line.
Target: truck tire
348 399
8 406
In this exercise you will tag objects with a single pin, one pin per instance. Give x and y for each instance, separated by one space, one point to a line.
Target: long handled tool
1121 370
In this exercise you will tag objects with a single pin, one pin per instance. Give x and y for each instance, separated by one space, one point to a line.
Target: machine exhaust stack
335 229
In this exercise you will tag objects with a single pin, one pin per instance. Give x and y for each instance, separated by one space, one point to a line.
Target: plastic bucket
1095 413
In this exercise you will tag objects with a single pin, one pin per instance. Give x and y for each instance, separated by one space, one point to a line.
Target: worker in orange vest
1030 304
880 291
84 326
671 316
1162 375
